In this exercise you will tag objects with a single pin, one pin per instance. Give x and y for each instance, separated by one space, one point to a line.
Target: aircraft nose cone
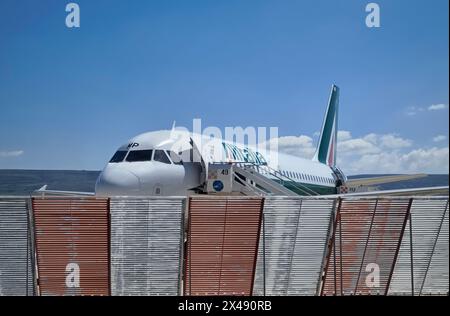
116 181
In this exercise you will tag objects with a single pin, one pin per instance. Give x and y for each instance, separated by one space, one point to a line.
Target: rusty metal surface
428 272
16 256
366 236
146 245
292 244
222 243
71 233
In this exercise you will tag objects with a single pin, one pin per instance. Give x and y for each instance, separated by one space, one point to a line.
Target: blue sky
70 97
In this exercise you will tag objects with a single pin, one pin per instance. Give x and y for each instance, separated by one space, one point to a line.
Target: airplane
170 163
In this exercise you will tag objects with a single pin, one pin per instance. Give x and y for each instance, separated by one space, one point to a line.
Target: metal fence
425 269
222 243
16 253
212 245
292 245
364 245
146 246
72 245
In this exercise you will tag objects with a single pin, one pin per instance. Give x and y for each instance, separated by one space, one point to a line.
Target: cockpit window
161 156
139 155
175 158
118 156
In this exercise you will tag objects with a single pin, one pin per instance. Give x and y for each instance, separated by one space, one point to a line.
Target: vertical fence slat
146 245
16 251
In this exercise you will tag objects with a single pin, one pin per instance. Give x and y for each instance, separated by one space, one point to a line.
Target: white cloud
413 110
357 146
13 153
372 138
344 135
394 142
432 160
439 138
371 144
301 146
374 153
437 107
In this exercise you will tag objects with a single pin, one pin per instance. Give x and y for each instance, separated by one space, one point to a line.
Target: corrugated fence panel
72 245
365 243
277 242
146 246
437 278
222 244
310 246
430 242
16 277
292 245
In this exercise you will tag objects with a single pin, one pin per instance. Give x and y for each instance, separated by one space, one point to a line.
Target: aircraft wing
383 179
429 191
43 191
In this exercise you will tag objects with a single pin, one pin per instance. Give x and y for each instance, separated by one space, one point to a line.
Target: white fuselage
149 172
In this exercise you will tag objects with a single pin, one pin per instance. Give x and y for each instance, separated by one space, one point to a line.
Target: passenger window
118 156
139 155
175 158
161 156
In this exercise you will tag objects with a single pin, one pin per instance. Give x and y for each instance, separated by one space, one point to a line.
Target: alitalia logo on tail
326 149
